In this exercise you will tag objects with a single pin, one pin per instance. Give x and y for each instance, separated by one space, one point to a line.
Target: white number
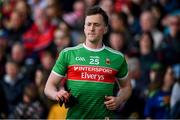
94 61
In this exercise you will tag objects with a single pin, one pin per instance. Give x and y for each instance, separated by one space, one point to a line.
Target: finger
108 97
66 96
108 102
111 107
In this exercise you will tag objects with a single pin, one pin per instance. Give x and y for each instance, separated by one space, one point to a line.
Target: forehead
97 18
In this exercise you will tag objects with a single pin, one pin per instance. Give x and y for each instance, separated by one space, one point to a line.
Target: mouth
91 34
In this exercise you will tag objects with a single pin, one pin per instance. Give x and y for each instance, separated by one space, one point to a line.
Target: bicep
55 79
123 81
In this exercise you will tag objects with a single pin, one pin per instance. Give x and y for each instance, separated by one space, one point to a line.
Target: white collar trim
94 50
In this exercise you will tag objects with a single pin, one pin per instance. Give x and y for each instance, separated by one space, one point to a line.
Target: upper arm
123 70
54 79
60 67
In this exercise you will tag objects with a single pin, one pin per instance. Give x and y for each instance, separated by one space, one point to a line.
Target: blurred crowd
33 32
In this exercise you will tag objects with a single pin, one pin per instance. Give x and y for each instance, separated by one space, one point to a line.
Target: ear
106 30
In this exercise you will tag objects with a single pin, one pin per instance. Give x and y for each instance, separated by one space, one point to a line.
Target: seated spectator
118 42
30 107
147 57
175 100
147 23
13 84
158 102
107 6
54 12
134 106
75 18
24 10
40 34
15 28
119 23
26 64
61 40
40 81
170 46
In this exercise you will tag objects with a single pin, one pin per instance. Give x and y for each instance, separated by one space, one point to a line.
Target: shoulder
73 48
114 52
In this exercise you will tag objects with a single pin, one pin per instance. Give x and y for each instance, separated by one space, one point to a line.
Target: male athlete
91 69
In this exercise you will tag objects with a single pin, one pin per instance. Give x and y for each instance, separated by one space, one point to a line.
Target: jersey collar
94 50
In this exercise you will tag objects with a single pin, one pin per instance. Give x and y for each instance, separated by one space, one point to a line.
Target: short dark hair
98 10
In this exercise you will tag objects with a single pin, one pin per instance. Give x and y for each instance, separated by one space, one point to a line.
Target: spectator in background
14 27
54 12
30 107
147 57
158 12
23 8
61 40
170 46
158 101
18 54
107 6
147 23
118 41
175 100
119 23
75 19
155 76
90 3
13 84
40 34
40 80
47 61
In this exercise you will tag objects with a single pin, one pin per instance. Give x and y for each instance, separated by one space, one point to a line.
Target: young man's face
94 28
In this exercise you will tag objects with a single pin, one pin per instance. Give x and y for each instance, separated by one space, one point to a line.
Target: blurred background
33 32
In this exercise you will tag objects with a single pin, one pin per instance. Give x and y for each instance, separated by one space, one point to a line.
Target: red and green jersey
91 76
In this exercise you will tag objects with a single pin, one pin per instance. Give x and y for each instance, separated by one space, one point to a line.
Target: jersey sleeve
60 66
123 71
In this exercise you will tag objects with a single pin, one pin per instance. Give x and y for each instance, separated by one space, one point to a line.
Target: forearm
51 88
50 92
125 91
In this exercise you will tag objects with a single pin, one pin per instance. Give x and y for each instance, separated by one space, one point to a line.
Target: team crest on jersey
108 61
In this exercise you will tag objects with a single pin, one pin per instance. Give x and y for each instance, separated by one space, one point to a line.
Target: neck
94 45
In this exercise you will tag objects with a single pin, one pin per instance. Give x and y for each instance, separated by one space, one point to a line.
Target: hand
112 102
62 95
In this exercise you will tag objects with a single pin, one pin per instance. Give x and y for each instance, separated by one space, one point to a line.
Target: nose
92 27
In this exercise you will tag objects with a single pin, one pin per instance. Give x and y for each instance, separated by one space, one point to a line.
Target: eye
97 24
88 24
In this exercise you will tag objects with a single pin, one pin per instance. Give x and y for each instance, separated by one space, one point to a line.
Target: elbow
129 88
45 91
